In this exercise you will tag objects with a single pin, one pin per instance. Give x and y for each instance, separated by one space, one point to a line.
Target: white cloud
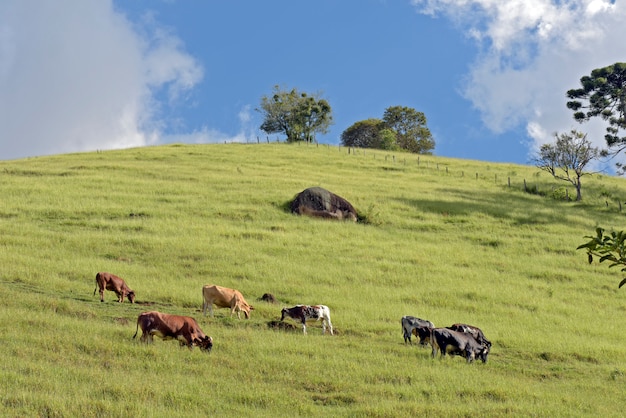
77 75
531 53
247 132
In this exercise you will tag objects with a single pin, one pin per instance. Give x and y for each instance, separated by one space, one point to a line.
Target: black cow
473 331
457 343
409 325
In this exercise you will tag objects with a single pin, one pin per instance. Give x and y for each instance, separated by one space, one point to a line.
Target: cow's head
283 313
131 296
484 351
245 308
205 343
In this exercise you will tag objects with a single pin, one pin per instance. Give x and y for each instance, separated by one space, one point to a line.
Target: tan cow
223 297
110 281
184 329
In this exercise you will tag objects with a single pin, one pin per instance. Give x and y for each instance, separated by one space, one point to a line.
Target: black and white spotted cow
409 325
302 313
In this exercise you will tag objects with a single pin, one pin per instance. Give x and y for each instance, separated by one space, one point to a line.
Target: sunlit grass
447 240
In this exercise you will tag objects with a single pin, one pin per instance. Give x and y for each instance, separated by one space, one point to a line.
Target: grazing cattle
319 202
172 327
409 323
110 281
303 312
223 297
423 334
457 343
473 331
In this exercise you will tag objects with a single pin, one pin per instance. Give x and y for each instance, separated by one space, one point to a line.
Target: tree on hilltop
603 94
567 158
400 128
369 133
412 134
297 115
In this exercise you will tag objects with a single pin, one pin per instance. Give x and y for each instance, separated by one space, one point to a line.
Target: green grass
444 239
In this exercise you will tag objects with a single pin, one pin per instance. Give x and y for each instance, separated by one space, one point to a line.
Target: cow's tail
136 330
94 291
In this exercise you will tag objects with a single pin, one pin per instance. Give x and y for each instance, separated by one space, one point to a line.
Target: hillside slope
443 239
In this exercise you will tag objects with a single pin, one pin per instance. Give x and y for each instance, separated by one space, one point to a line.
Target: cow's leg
304 326
102 294
435 349
406 335
330 326
443 349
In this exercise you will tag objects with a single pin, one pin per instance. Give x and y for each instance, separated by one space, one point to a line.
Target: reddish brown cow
110 281
185 329
223 297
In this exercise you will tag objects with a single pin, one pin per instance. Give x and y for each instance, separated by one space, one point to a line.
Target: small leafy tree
610 248
362 134
603 94
401 128
412 134
369 133
567 158
295 114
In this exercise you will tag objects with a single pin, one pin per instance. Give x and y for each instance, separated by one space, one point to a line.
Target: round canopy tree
412 134
370 133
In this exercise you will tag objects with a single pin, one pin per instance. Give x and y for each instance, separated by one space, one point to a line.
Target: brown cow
224 297
182 328
110 281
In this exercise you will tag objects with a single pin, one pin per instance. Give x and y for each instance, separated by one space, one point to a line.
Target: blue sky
490 75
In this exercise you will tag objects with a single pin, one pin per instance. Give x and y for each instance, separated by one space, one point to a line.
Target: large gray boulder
319 202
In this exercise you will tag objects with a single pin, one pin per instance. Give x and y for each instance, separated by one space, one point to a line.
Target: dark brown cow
319 202
457 343
423 334
110 281
185 329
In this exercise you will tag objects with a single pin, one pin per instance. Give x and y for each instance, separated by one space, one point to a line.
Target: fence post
525 188
509 182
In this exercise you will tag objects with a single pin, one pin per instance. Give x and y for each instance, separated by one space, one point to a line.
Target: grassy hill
443 239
